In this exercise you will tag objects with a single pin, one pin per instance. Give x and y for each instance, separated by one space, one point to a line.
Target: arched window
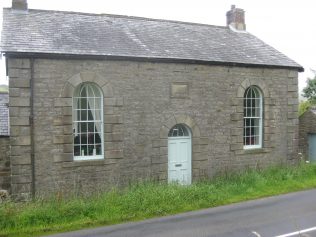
253 118
178 130
88 122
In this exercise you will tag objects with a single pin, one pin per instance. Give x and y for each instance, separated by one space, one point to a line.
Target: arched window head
253 108
178 130
88 122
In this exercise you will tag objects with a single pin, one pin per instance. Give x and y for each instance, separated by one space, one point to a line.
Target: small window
178 130
88 122
252 118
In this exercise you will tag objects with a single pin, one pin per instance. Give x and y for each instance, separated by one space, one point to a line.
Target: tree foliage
303 107
309 92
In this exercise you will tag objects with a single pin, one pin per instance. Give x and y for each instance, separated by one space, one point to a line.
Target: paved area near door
280 216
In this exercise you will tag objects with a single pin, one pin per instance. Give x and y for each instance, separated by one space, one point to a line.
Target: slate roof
71 33
4 114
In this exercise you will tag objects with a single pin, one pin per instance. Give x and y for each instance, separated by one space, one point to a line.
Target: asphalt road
281 216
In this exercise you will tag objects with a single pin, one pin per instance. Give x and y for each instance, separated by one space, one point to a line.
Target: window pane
257 141
77 140
248 140
83 115
90 150
253 112
91 127
84 139
83 127
257 112
77 150
256 122
84 150
83 104
98 149
91 138
257 103
248 102
90 115
83 92
178 130
247 122
91 103
97 138
97 115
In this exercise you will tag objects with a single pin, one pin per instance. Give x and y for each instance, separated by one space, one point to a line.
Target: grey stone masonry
142 102
4 114
5 181
307 125
5 171
19 104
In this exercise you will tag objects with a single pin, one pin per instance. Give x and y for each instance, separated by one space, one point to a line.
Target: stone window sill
79 163
255 151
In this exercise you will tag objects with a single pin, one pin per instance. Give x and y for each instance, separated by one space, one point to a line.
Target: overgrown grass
145 200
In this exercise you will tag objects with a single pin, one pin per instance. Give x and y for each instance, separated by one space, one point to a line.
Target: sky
287 25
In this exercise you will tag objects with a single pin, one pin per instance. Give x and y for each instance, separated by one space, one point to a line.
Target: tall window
252 118
88 122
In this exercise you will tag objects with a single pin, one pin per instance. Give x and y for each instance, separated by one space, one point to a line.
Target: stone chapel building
97 100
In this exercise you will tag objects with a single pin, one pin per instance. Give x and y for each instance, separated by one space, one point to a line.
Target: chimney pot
236 18
19 4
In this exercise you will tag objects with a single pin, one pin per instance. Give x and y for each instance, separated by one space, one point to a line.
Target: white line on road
256 234
297 232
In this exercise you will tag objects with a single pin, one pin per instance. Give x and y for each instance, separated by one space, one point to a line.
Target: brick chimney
236 18
19 4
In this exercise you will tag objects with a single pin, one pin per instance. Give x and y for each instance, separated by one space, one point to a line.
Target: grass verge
145 200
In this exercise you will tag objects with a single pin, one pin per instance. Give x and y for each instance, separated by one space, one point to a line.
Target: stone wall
5 180
4 114
20 141
307 125
142 101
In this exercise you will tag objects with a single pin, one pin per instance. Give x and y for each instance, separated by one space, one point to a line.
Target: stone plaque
179 90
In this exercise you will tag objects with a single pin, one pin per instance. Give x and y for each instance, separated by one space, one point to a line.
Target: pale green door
179 155
312 147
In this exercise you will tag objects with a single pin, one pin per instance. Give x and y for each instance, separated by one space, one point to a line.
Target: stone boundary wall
307 125
5 171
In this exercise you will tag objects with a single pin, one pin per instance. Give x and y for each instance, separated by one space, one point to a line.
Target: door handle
178 165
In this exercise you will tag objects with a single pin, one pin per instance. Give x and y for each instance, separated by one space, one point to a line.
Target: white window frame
76 96
260 122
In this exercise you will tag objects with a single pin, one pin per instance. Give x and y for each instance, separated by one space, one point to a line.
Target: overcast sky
287 25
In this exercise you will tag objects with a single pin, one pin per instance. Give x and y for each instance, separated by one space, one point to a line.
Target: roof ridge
127 17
